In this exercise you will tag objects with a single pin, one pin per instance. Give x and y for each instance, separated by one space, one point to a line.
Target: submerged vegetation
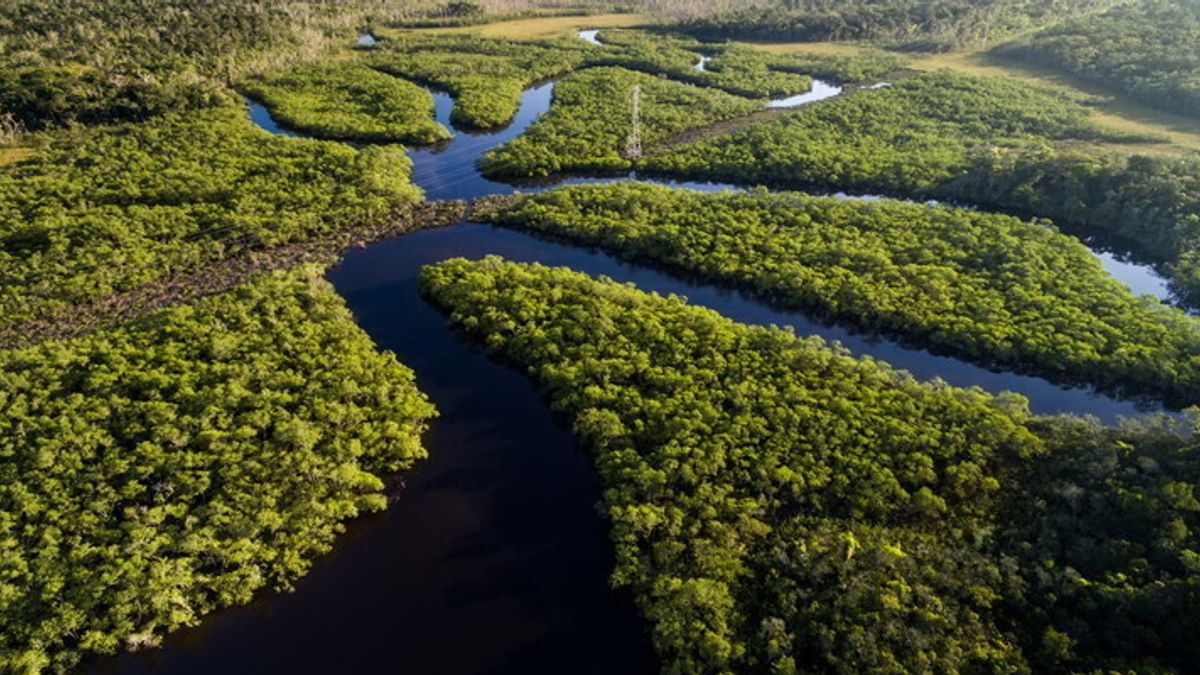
110 208
778 506
989 288
350 102
157 472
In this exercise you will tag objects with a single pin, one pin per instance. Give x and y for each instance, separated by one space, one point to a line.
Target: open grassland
1179 134
542 26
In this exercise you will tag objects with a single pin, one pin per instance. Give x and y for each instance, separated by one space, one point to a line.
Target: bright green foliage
154 473
486 76
909 137
1148 49
350 102
990 288
589 124
985 141
733 68
718 442
112 208
778 507
1154 201
933 25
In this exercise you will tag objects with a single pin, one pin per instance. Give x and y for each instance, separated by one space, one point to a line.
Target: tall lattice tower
634 149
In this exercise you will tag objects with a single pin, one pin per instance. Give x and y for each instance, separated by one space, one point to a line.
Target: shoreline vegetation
190 413
990 289
764 488
162 470
218 277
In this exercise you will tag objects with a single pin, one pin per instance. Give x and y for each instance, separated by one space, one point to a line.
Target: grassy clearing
544 26
1180 134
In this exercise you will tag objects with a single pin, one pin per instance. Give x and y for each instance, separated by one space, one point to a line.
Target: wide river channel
492 557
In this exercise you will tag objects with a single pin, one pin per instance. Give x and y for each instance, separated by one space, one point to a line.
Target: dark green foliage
158 35
152 474
49 97
989 288
112 208
351 102
984 141
778 507
719 442
1105 526
77 61
928 25
588 126
1148 49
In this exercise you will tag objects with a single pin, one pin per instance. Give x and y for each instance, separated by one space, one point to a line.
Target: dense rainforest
349 102
926 25
1149 50
990 142
987 287
589 126
156 472
778 506
108 209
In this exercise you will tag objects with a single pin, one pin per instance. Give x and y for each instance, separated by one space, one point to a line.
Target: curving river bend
492 558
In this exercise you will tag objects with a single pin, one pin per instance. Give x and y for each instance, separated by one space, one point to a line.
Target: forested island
266 268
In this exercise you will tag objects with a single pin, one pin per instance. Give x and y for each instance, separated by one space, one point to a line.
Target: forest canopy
986 287
778 506
589 125
157 472
925 25
349 102
113 207
1148 50
989 142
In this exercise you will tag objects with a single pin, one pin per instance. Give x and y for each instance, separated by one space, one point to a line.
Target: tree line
1147 50
990 142
989 288
157 472
107 209
921 25
778 506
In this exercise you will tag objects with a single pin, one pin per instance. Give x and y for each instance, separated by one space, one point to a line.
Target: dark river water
493 558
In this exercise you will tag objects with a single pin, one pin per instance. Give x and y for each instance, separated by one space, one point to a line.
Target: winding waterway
492 558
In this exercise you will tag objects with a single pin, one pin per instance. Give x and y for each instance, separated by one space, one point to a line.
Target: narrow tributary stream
492 558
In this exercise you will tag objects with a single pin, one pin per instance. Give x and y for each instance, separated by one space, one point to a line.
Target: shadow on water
492 559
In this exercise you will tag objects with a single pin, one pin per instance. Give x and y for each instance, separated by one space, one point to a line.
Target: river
492 557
